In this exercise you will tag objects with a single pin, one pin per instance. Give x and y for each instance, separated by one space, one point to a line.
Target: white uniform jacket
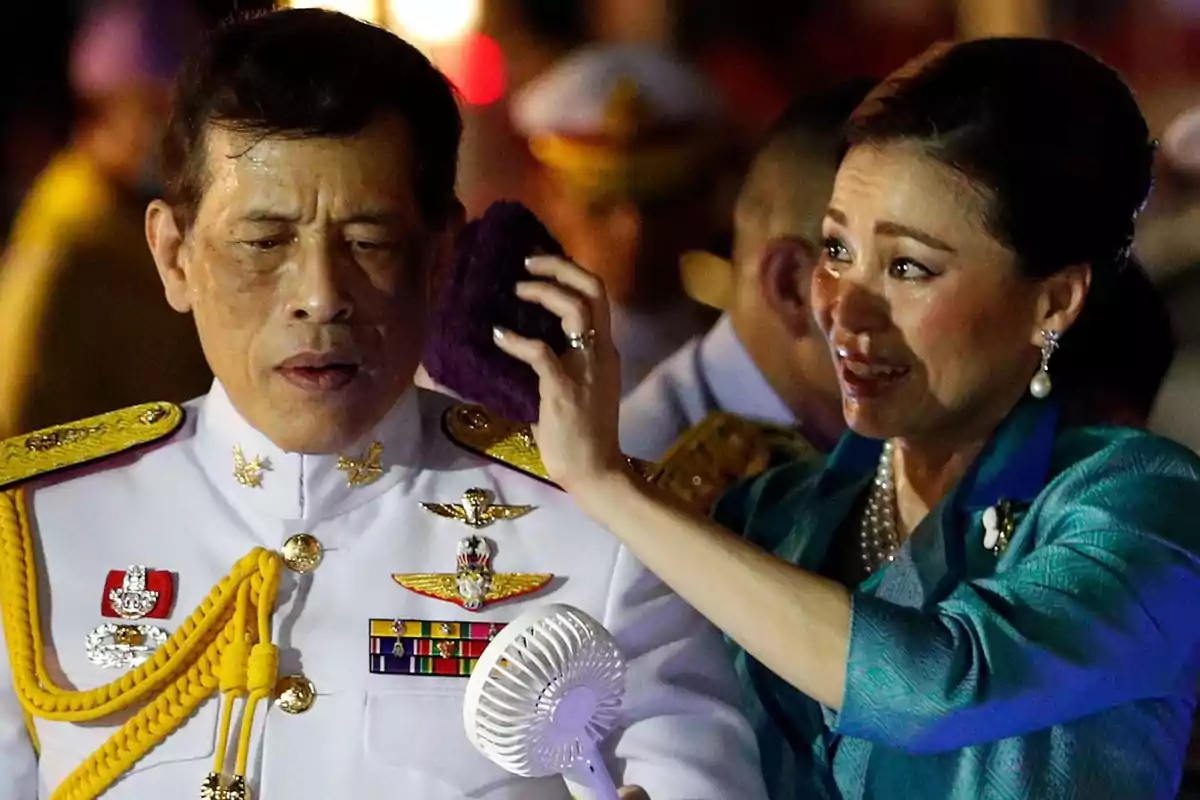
184 506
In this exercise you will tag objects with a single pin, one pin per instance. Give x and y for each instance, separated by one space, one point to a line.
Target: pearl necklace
877 529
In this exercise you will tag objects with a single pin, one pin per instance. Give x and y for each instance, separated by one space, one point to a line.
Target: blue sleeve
1100 612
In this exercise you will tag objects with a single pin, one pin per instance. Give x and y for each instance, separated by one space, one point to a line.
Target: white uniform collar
647 338
294 486
734 380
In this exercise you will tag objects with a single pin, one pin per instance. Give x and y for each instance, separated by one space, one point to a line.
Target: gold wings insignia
507 585
493 513
501 585
447 510
438 585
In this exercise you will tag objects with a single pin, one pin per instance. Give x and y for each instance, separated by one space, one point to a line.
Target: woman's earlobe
1065 294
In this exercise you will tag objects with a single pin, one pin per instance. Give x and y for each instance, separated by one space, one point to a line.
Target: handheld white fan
545 694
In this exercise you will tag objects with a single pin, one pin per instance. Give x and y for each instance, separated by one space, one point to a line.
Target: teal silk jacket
1065 666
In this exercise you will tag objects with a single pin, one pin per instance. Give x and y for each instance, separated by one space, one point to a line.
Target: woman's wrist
600 493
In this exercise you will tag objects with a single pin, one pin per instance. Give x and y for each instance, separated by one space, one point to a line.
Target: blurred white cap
620 119
576 97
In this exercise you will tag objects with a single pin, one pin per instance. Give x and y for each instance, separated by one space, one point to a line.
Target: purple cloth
478 294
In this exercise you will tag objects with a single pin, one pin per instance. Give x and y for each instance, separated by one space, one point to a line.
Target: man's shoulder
95 442
1122 479
1100 451
724 449
470 430
463 432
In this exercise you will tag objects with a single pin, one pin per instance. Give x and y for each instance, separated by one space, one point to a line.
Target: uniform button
295 694
302 553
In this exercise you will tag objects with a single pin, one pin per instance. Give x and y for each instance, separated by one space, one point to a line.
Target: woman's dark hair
1053 138
311 73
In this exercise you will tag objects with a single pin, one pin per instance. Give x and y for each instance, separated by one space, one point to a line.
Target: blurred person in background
85 329
29 137
1168 242
764 360
626 136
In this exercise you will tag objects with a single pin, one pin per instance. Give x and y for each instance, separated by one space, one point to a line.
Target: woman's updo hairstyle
1053 138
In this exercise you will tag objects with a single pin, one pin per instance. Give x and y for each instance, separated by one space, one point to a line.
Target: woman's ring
581 341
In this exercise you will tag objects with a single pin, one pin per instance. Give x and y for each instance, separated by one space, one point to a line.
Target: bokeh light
435 21
477 67
362 9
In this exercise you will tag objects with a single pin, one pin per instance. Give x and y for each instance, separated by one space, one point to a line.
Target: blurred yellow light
362 9
435 21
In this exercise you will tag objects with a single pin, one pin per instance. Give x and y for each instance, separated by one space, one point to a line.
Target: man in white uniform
280 588
764 360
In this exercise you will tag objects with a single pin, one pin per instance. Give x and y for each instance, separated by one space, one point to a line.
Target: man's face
633 244
306 270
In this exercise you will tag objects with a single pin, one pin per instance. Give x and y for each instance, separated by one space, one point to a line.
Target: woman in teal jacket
978 594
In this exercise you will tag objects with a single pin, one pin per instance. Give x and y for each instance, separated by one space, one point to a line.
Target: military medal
475 584
138 592
477 509
114 646
427 647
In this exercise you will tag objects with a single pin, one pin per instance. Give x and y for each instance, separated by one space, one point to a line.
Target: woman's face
934 332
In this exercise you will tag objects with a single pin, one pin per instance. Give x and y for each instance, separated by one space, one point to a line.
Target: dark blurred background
759 51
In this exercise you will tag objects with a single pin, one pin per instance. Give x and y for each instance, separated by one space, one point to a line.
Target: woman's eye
908 270
834 250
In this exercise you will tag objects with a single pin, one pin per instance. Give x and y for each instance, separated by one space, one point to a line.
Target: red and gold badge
138 593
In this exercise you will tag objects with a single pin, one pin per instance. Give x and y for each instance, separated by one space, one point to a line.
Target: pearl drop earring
1040 386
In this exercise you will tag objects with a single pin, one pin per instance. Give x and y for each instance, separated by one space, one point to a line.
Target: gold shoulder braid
789 443
51 449
711 456
708 458
476 429
225 645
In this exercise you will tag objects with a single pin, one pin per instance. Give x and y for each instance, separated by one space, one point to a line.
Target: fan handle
589 770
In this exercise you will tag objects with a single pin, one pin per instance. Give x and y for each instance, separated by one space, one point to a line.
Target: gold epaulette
721 450
62 446
476 429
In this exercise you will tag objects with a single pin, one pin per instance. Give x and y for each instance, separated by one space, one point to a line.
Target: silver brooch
999 522
114 646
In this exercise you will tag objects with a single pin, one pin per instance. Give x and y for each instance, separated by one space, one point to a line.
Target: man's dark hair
821 115
310 73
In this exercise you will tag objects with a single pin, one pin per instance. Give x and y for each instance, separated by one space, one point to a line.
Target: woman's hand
580 390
